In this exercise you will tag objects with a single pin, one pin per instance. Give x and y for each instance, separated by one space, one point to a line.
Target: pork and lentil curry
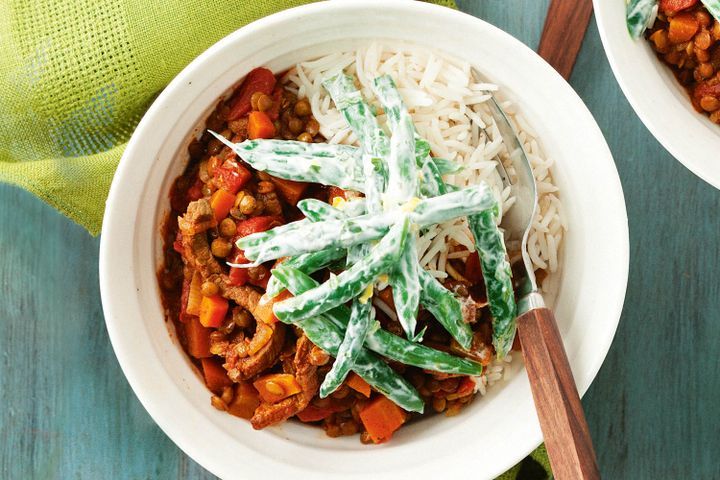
227 296
686 37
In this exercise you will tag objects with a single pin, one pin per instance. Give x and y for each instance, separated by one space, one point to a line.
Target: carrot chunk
245 401
277 386
198 338
260 125
356 382
215 375
290 190
264 311
221 202
381 417
683 28
314 414
213 310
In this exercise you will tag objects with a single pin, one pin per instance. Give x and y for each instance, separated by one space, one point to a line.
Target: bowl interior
657 97
495 431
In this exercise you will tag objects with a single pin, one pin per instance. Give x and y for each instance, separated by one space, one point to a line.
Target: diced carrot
245 401
260 126
314 414
277 386
356 382
198 338
231 176
473 270
264 309
683 28
291 191
213 310
215 375
671 7
258 80
221 202
381 417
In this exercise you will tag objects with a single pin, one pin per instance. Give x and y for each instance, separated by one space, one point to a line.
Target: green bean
323 163
406 289
713 6
498 279
402 175
361 317
350 283
308 263
264 246
368 366
445 307
445 167
638 15
381 341
363 123
317 210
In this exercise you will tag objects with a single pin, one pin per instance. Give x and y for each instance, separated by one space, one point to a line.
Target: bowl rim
116 222
685 144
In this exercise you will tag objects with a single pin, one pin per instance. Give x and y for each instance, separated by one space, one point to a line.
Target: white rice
449 109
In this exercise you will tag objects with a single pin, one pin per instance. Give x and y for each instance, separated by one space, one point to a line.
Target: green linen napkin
77 76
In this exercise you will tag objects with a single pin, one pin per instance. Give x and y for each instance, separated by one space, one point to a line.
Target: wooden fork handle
566 433
563 33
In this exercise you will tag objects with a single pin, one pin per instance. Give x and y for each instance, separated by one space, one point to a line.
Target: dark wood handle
563 33
566 433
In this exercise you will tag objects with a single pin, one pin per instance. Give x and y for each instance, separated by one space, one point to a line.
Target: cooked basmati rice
449 110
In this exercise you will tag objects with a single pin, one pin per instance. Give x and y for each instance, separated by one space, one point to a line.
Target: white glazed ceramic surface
494 432
657 97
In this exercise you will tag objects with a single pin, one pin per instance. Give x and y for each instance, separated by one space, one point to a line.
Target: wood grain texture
653 410
565 25
567 437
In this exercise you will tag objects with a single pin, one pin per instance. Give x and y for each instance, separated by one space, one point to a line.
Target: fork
557 402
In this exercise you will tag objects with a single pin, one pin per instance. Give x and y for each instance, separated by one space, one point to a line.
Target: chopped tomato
314 414
473 270
290 190
262 276
231 176
258 80
260 126
177 244
274 112
335 192
215 375
256 225
195 192
705 89
238 276
671 7
467 385
213 310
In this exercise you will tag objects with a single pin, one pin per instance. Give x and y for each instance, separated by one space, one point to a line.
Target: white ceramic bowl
657 97
494 432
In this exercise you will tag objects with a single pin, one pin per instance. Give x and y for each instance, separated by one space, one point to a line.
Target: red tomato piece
671 7
258 80
231 176
256 225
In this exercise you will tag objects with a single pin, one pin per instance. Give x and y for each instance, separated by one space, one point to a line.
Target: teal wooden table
654 409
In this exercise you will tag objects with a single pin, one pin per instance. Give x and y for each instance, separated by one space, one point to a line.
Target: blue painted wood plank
69 413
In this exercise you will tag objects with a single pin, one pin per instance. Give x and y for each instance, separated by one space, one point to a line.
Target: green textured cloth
76 76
